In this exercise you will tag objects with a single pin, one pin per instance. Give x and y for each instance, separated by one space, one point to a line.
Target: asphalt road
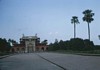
29 61
50 61
73 62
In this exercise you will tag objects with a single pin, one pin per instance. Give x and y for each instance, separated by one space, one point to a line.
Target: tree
4 45
56 45
56 40
62 45
89 45
12 42
77 44
88 18
74 21
44 42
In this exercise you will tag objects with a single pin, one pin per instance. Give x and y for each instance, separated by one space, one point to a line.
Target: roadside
83 53
6 55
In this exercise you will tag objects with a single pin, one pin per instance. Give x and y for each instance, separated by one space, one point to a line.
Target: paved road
74 62
29 61
50 61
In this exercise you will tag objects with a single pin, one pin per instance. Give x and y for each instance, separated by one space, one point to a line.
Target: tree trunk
74 30
88 31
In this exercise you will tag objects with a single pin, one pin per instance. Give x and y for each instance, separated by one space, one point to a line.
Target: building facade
29 44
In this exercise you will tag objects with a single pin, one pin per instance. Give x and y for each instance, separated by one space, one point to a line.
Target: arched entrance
30 48
42 48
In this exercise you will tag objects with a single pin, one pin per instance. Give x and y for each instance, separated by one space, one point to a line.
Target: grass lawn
85 53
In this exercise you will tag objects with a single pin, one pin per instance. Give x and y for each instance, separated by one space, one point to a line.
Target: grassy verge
4 53
85 53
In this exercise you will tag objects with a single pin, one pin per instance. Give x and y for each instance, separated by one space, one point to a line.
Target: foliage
44 42
77 44
74 20
74 44
11 41
88 16
4 45
54 46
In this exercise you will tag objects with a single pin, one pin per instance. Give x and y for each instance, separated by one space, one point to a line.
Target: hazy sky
50 19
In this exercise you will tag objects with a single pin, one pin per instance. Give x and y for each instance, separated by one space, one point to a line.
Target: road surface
50 61
74 62
29 61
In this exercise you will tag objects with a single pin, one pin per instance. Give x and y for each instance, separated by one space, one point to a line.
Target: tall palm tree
88 17
74 21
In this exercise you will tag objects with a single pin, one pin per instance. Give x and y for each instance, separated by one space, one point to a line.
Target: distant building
29 44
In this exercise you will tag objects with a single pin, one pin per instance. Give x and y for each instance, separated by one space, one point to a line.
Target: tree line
5 45
74 44
77 44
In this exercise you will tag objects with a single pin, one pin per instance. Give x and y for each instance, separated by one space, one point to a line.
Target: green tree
88 17
62 45
89 45
74 21
11 41
54 46
77 44
44 42
4 45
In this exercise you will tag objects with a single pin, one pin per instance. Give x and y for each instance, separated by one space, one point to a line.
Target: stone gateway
29 44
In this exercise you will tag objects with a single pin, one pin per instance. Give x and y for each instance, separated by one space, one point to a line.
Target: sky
49 19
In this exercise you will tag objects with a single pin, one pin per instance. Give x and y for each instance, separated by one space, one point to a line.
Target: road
29 61
74 62
50 61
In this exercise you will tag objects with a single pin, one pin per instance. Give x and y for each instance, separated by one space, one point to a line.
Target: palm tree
74 21
88 18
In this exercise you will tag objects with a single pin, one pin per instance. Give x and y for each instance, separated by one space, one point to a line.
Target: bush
74 44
